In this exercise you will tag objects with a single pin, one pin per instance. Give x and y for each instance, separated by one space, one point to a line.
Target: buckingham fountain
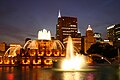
62 62
45 52
40 52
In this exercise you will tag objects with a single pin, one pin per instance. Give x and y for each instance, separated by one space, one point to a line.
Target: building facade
76 43
89 39
2 46
113 33
110 33
66 26
98 37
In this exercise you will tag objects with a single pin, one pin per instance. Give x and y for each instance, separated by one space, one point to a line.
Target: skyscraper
110 33
113 33
66 26
89 38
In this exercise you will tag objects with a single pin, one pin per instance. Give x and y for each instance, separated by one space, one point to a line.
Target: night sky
20 19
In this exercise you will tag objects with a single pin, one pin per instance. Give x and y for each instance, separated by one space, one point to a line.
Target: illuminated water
102 73
73 60
44 35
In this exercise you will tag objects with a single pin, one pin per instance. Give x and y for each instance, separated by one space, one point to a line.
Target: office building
113 34
66 26
3 46
89 39
98 37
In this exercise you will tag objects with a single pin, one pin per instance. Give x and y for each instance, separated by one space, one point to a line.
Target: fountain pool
73 61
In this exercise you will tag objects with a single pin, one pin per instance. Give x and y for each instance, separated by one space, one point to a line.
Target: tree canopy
104 49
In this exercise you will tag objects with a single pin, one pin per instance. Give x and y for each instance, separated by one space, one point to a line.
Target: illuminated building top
110 27
78 31
89 28
44 35
59 15
66 26
113 33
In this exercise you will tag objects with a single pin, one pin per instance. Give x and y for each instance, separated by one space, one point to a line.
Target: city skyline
24 18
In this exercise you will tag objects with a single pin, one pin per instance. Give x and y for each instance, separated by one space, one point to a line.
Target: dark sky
24 18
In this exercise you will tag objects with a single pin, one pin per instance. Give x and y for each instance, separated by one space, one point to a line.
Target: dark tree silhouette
104 49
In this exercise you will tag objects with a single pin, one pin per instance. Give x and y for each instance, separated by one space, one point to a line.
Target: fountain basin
72 70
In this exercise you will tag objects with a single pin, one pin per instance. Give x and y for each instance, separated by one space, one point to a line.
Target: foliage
104 49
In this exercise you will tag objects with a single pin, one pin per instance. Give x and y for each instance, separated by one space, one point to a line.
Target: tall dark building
113 33
66 26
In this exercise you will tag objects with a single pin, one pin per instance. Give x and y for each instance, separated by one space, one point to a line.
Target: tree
104 49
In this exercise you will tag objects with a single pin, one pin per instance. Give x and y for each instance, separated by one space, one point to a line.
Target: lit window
73 25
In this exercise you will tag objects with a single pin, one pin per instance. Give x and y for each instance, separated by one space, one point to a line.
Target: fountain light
72 61
27 61
44 35
76 63
38 62
48 62
12 51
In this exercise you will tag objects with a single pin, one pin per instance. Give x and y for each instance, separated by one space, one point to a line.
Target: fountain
76 62
42 51
45 51
73 61
10 54
44 47
12 51
44 35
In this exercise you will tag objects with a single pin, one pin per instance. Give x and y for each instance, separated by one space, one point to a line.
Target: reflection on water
10 76
26 73
74 76
78 75
71 76
91 76
119 74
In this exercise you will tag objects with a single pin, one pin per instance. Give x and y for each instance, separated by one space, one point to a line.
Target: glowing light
106 40
72 61
76 63
38 62
33 45
27 61
44 35
41 53
12 51
48 53
1 62
10 76
6 61
48 62
12 62
59 15
118 38
110 27
89 28
78 31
